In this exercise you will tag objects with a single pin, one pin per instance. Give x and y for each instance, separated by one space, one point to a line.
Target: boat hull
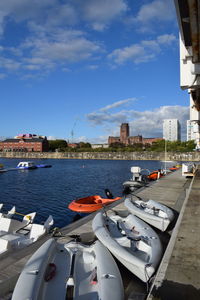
90 204
140 257
91 271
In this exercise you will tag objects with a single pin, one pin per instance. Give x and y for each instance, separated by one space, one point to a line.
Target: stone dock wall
170 156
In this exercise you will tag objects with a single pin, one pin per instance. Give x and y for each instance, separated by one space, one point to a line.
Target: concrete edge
160 275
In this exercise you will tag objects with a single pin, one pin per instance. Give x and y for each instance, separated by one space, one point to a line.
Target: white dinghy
131 241
18 234
69 271
152 212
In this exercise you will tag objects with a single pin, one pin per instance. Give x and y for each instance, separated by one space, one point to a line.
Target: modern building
25 143
125 139
191 130
171 130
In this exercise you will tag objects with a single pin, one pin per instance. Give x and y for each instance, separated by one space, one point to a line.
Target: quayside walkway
178 276
177 192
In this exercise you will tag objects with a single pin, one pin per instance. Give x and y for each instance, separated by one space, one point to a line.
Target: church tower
124 133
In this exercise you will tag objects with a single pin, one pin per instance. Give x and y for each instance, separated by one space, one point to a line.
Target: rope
20 214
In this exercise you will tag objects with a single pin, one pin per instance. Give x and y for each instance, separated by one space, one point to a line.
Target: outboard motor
109 195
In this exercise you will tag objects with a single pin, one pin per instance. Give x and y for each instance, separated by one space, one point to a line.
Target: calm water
50 190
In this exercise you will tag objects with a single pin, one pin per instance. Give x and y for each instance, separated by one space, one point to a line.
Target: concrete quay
180 266
178 276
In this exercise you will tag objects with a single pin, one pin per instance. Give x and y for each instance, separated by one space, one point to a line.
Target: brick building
25 144
125 139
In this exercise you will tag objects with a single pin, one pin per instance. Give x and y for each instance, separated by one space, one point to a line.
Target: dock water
178 266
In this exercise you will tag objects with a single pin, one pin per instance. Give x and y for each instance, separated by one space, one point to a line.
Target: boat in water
92 203
43 166
69 271
26 165
31 165
138 180
133 242
152 212
155 175
15 234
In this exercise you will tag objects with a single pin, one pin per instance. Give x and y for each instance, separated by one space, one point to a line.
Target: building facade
171 130
125 139
23 144
124 133
191 135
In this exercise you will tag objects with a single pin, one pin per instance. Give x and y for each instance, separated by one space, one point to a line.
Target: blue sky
77 69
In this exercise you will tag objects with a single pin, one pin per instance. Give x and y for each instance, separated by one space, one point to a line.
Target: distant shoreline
170 156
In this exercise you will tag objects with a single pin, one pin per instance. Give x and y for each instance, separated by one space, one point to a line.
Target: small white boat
16 234
133 242
152 212
55 271
26 165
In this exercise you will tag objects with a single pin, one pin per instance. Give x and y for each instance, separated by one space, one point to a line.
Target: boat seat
5 224
129 233
4 245
36 231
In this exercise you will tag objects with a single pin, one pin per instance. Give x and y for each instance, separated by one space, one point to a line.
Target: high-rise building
171 130
190 131
124 133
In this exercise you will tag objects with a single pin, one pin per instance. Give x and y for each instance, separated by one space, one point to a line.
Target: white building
192 130
171 130
96 146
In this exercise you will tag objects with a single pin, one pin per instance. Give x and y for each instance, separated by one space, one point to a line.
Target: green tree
61 145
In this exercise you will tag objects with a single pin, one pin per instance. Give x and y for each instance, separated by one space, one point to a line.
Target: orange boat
173 168
155 175
90 203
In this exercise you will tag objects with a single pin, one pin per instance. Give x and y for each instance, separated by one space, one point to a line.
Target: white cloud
51 138
147 123
45 51
145 51
156 10
53 38
99 14
117 104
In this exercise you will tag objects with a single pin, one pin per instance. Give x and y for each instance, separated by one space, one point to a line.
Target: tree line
158 146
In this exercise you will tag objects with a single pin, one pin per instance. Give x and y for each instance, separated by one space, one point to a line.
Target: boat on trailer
133 242
69 271
15 234
152 212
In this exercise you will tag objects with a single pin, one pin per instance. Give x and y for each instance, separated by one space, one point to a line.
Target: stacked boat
15 234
